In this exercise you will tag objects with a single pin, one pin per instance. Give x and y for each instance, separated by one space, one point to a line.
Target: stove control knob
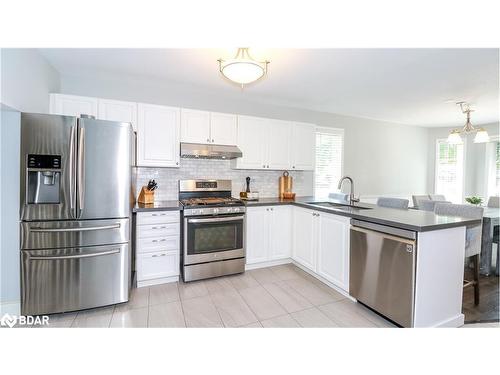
236 209
216 211
229 209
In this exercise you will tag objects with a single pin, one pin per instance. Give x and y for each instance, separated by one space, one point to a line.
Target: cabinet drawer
158 217
157 265
158 230
147 245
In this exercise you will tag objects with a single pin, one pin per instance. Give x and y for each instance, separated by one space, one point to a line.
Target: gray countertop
157 206
415 220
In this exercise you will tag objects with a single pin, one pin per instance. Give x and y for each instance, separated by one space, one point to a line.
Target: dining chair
494 202
339 196
429 205
472 236
419 198
437 197
393 202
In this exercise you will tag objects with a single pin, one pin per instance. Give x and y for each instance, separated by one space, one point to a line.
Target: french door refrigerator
75 213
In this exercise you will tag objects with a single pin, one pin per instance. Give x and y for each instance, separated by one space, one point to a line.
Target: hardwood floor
488 308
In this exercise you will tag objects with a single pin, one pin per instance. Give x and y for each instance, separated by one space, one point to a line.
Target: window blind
328 170
449 170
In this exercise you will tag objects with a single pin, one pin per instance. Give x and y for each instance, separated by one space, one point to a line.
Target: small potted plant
476 201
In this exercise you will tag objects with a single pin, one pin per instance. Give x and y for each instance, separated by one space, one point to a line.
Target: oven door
208 239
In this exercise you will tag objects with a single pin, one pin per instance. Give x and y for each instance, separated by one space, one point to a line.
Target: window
493 167
329 159
449 170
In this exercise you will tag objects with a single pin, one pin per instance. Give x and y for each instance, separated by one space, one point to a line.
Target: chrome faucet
352 199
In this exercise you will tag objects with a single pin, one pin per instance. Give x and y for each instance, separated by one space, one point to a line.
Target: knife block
146 196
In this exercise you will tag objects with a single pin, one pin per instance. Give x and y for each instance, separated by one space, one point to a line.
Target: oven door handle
215 219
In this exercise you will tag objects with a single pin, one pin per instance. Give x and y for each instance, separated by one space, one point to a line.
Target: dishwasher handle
398 232
407 241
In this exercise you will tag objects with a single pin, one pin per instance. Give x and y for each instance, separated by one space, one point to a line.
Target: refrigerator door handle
81 171
60 257
82 229
71 171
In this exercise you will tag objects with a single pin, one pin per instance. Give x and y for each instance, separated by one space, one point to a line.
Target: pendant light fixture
481 134
243 69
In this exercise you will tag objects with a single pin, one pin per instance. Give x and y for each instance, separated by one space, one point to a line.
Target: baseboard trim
270 263
163 280
10 307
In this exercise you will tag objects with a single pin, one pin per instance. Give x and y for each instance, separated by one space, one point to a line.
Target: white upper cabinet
303 145
333 249
114 110
158 136
195 126
223 128
278 144
252 140
72 105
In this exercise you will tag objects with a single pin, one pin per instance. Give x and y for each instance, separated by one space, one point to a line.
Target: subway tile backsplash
265 182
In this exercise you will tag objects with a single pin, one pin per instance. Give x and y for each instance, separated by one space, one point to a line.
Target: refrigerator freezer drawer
62 234
70 279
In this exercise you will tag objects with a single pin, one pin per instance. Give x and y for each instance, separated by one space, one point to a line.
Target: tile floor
280 296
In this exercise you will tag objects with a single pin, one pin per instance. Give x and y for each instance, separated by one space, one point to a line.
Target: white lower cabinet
157 247
268 233
321 244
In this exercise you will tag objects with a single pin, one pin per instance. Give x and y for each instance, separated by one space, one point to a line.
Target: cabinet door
257 234
252 140
223 128
71 105
278 149
303 234
303 146
158 136
157 265
113 110
195 126
333 249
280 227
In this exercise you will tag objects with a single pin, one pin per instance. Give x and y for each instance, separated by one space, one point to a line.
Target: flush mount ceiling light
481 134
243 69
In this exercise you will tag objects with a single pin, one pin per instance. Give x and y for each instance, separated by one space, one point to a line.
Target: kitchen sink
339 206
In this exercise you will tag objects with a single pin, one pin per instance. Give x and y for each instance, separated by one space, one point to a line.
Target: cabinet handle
162 227
271 209
208 139
176 163
268 166
212 141
293 167
264 166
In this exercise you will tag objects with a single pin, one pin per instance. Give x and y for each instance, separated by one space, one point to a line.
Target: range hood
201 151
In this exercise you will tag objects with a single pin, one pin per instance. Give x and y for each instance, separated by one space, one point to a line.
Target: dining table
490 220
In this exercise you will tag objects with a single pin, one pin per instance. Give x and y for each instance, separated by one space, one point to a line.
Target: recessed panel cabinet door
114 110
257 235
303 237
333 249
158 130
252 140
195 126
303 146
72 105
278 149
223 128
280 227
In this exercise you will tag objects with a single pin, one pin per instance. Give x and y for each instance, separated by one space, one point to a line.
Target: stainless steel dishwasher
382 269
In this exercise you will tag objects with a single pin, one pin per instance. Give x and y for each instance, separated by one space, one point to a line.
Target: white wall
383 158
26 80
475 175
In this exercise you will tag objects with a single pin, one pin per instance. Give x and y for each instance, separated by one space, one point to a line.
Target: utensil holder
146 196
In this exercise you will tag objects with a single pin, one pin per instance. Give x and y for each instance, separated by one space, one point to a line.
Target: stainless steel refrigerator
75 213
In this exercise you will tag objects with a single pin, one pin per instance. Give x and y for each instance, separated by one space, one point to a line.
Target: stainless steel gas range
213 230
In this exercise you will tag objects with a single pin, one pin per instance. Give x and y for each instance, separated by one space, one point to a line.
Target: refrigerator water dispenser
44 177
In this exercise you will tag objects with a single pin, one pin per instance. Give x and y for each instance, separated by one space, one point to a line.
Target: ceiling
407 86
